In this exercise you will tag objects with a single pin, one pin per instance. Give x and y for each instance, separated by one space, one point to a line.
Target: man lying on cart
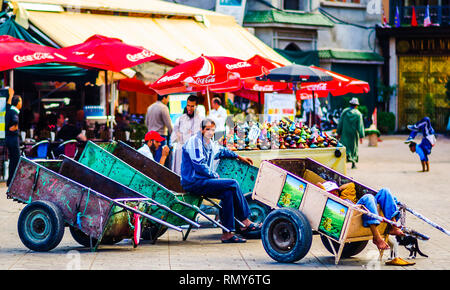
387 202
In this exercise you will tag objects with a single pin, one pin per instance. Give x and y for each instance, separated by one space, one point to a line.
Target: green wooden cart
125 165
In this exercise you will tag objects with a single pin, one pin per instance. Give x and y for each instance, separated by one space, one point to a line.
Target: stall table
325 156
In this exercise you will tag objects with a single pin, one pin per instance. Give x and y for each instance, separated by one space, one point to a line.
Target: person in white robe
185 126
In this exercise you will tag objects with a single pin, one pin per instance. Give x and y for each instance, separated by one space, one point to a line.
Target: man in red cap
152 143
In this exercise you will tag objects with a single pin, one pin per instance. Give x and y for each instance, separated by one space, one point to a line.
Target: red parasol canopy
113 54
206 72
340 85
16 53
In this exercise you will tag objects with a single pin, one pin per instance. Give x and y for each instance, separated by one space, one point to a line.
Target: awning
351 55
49 71
174 38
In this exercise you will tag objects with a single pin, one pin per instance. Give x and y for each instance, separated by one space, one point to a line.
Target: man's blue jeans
233 202
424 127
388 204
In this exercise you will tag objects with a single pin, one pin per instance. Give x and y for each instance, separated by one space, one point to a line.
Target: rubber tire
350 249
41 226
295 226
149 233
258 213
80 237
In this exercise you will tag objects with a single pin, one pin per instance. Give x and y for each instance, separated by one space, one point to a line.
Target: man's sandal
251 228
234 239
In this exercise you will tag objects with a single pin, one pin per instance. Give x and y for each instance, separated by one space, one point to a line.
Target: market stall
285 139
331 157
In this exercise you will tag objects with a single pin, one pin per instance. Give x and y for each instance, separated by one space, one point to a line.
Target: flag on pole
397 17
385 23
413 17
427 20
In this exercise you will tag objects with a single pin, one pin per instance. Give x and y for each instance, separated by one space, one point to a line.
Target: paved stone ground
388 165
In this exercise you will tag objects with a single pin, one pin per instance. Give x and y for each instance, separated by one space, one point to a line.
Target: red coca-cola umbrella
252 84
205 73
113 54
16 53
338 86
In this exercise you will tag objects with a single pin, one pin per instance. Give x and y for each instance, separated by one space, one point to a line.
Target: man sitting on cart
387 202
198 176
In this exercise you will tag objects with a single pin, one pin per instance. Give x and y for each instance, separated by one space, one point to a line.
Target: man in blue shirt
198 176
428 141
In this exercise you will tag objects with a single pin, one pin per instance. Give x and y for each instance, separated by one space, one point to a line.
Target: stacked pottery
283 134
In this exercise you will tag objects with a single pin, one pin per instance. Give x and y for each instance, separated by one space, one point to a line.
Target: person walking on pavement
152 143
198 176
350 129
13 106
158 119
185 126
219 115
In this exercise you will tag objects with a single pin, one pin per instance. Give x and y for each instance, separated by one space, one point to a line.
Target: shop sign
423 46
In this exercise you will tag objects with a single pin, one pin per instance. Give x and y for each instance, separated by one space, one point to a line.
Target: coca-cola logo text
33 57
241 64
169 78
208 80
140 55
265 88
317 87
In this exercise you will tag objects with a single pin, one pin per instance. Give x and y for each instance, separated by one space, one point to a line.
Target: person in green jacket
350 129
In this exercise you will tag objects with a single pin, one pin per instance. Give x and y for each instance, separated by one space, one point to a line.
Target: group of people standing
158 119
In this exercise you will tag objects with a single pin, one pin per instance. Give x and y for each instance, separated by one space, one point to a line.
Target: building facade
337 35
418 61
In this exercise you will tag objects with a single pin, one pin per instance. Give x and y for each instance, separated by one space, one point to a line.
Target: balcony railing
440 15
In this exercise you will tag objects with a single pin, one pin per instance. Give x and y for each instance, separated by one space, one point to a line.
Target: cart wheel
286 235
41 226
80 237
350 249
258 213
153 232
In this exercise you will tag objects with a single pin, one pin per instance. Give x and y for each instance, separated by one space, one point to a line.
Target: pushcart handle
133 210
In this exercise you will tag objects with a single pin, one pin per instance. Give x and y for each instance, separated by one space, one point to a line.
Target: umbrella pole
259 102
11 79
209 101
108 105
313 109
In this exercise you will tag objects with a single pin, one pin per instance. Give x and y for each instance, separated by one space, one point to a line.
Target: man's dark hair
412 144
193 98
217 101
160 97
15 100
207 121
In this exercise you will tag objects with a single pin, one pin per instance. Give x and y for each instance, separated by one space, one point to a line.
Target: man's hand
11 95
246 160
165 151
14 128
